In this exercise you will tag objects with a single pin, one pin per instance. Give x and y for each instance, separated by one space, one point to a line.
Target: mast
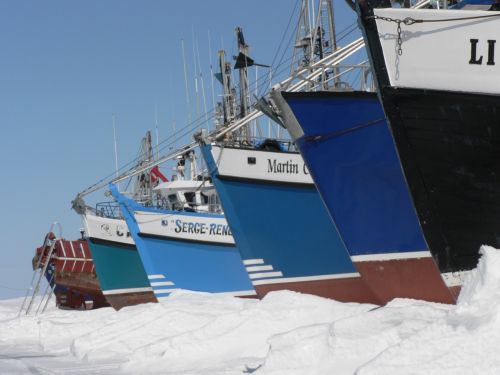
143 187
228 94
242 64
324 38
211 69
315 39
303 40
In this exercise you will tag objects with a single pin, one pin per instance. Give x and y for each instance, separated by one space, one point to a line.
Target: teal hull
121 273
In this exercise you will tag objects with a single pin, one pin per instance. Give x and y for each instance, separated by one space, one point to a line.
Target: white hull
438 55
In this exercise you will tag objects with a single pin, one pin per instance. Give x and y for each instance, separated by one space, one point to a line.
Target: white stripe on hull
126 290
261 275
161 283
152 277
392 256
259 268
306 278
249 262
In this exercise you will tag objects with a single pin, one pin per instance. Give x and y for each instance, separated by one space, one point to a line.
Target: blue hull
181 264
350 153
286 228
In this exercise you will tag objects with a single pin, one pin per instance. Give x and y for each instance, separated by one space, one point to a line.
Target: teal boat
118 265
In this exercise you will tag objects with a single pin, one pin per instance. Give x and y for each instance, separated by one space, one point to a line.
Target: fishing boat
118 265
285 235
439 83
346 143
280 224
185 244
70 272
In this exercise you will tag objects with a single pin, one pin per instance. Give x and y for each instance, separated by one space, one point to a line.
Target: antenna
202 83
211 68
188 102
173 113
197 97
115 143
157 132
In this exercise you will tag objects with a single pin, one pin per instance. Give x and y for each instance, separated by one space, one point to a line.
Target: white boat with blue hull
185 250
281 227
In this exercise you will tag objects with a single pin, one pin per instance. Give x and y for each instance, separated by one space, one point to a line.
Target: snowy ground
285 333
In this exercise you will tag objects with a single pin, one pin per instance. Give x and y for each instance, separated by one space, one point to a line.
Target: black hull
449 146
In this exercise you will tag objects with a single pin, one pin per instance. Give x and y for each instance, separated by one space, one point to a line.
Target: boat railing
109 210
212 206
260 143
345 77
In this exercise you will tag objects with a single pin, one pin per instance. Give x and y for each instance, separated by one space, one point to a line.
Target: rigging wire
203 119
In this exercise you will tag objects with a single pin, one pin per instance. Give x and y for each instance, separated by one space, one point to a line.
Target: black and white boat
438 77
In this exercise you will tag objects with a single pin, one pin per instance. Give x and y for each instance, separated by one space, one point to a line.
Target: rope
320 138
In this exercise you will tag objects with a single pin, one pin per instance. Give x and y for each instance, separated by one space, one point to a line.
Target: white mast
211 69
188 102
196 92
202 83
157 133
115 143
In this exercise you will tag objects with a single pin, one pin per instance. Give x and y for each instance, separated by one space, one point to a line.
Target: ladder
39 271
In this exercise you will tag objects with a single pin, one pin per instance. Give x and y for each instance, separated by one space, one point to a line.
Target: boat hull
121 274
450 148
118 264
446 131
282 229
71 273
175 257
349 151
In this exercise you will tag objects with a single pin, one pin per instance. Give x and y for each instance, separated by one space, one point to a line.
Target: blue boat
185 250
346 143
281 227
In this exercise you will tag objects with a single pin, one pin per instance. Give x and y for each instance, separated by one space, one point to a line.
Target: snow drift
285 333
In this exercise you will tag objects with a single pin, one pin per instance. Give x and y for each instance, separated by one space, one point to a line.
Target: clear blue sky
67 66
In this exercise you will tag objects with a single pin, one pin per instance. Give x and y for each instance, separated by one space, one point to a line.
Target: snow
285 333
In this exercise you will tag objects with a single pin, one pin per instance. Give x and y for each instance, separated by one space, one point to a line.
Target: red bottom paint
416 278
351 289
117 301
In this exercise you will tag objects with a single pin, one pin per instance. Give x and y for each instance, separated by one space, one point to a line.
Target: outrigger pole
305 76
